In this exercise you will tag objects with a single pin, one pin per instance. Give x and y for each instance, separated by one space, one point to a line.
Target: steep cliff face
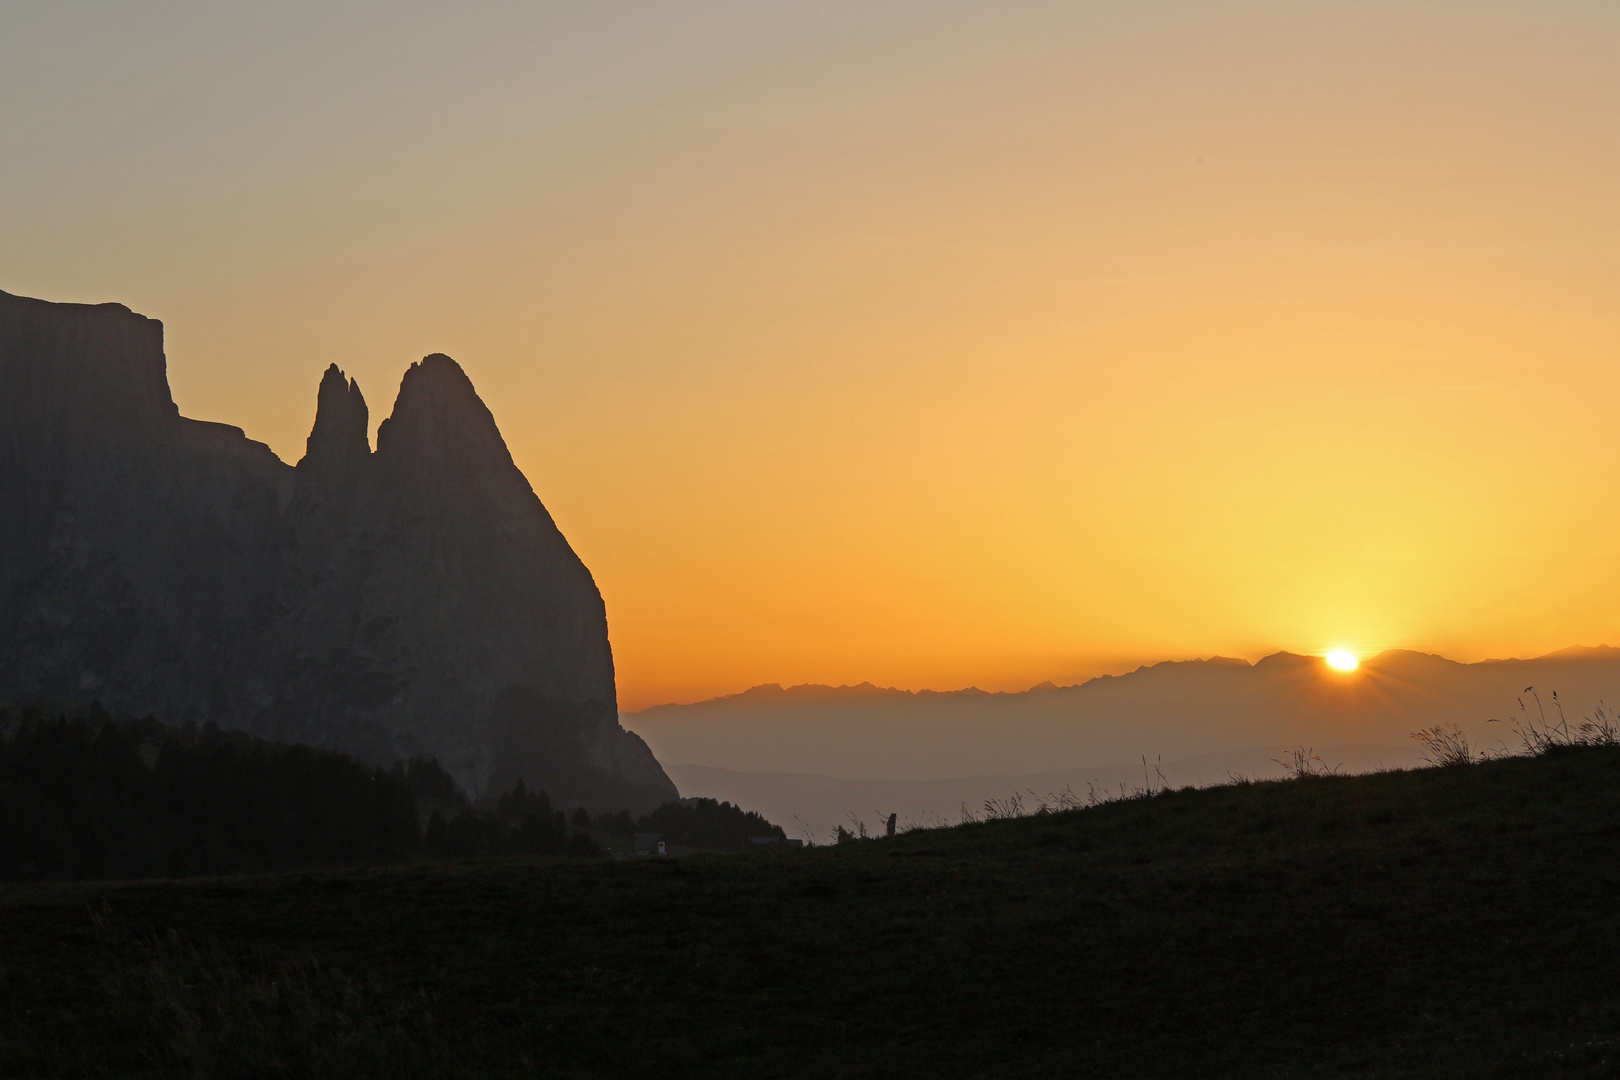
415 600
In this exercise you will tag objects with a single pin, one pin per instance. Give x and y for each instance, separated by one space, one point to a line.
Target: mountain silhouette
415 600
1177 710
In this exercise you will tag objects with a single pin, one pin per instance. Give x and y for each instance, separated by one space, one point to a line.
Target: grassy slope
1434 923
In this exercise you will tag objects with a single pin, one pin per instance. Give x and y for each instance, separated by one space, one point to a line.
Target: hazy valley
812 755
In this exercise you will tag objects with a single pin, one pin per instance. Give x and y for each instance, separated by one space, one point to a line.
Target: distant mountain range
810 750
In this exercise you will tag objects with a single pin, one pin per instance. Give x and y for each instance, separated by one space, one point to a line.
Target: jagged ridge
418 599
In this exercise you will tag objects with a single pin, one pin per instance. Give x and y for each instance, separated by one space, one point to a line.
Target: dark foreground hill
1437 923
415 600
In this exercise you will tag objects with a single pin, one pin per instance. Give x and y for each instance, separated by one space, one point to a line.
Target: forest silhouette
96 798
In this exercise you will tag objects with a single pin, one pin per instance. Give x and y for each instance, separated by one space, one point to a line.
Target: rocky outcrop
417 599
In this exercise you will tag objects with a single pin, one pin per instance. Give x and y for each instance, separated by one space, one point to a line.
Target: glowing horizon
922 346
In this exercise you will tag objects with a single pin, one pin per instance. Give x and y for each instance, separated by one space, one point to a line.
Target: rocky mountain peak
77 367
419 600
340 439
438 416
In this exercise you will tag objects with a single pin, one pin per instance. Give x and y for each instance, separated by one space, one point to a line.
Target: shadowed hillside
1436 923
812 806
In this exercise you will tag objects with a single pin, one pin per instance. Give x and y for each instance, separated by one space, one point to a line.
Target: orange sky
929 344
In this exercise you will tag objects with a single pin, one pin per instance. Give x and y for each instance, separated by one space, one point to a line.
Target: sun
1342 660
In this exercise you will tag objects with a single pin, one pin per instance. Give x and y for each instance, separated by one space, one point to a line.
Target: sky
929 344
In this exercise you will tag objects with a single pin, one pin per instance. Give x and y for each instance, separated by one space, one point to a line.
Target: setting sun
1342 660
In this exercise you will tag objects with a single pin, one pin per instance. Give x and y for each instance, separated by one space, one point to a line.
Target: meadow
1447 921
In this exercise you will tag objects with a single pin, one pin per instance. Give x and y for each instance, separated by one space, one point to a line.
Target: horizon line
1047 685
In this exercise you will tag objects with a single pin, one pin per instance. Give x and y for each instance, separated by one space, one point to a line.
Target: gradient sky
924 343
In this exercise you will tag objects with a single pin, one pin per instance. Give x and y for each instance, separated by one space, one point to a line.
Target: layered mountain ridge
415 599
1180 709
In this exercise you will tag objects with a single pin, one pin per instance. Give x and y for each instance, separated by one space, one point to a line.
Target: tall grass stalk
1304 763
1445 745
1539 735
